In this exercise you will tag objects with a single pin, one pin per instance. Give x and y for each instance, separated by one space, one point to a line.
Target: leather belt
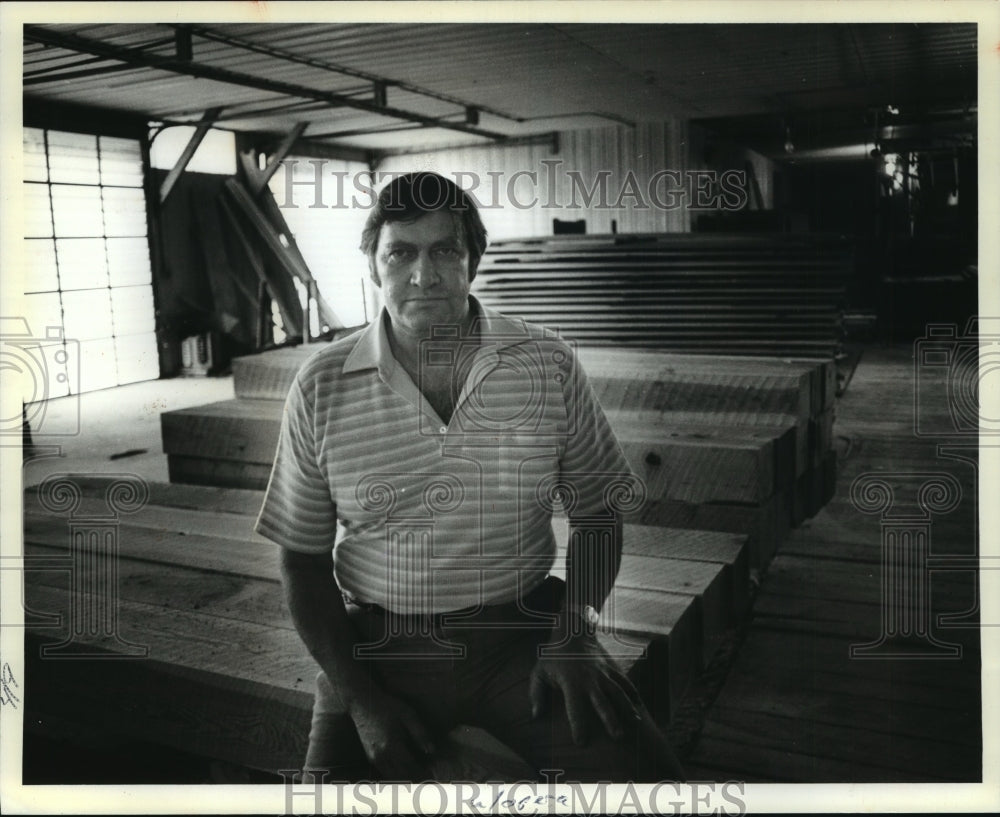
544 598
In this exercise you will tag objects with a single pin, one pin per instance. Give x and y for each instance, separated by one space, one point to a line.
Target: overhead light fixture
892 109
854 152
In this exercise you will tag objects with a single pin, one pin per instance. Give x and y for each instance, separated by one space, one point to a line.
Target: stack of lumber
722 443
231 443
735 444
743 294
226 676
734 451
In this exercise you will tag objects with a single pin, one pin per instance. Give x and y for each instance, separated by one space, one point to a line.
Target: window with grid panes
87 268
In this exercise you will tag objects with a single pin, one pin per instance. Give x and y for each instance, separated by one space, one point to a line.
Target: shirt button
444 429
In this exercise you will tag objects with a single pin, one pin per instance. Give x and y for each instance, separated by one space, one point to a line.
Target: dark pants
485 684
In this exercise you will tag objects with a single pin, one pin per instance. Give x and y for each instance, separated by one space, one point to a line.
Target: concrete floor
798 705
114 421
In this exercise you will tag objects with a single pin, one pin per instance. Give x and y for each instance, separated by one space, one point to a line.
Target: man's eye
447 252
398 254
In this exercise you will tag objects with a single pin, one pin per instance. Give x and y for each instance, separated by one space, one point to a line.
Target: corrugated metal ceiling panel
559 72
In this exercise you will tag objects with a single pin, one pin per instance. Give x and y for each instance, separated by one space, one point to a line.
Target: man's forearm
320 617
593 557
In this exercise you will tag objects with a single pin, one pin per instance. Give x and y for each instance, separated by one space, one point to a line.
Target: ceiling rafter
234 113
279 53
364 131
40 78
74 42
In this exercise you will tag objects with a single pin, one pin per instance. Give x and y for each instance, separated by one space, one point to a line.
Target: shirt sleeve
593 462
298 511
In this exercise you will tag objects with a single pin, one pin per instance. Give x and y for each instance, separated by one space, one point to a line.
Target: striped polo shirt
425 516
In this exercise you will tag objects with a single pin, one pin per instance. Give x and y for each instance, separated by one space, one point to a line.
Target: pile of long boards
732 451
226 677
734 444
738 444
780 294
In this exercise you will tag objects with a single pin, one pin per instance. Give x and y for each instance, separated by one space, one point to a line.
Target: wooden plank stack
741 445
779 294
227 676
713 358
722 443
232 442
727 448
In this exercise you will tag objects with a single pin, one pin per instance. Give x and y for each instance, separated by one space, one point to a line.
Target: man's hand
590 684
394 738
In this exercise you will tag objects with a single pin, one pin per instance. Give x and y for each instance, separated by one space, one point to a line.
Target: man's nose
423 273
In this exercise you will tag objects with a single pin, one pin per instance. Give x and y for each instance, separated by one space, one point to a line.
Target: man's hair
408 197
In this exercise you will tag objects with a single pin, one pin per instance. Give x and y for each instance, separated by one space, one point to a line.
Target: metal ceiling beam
289 56
260 180
287 108
82 73
188 153
338 134
551 139
60 66
74 42
83 119
183 43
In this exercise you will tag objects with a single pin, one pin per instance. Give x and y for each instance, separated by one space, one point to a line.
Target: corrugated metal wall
602 175
524 187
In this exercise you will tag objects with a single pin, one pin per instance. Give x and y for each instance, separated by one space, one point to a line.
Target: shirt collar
372 351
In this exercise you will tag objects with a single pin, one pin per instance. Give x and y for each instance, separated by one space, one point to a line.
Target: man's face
422 268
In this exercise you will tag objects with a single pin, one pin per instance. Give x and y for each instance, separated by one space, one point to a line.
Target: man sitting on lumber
417 470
